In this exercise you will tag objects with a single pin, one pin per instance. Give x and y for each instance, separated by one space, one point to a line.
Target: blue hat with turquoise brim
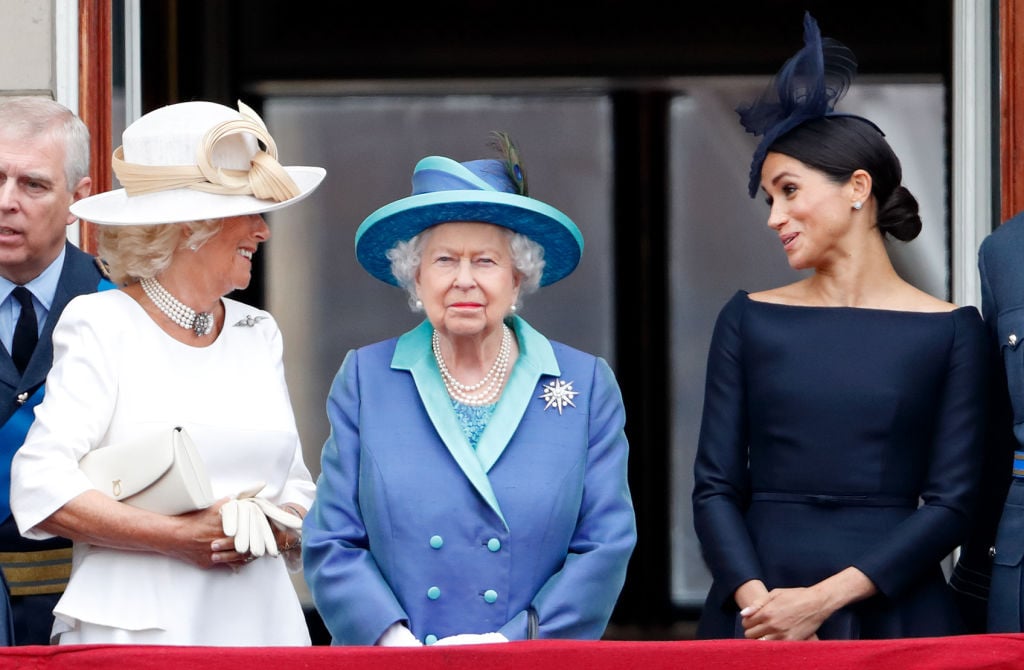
446 191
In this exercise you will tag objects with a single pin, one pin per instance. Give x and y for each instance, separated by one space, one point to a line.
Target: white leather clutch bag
161 473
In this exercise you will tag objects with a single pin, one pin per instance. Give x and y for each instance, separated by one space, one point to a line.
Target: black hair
839 145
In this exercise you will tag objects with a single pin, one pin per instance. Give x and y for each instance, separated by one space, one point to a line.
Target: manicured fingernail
746 610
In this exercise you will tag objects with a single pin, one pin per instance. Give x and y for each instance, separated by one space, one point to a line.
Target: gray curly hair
527 259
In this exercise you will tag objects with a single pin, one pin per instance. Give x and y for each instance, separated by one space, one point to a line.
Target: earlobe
82 190
860 180
184 234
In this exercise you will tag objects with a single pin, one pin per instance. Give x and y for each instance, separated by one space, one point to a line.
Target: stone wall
27 47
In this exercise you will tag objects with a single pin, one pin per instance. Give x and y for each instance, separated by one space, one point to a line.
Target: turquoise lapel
536 358
413 353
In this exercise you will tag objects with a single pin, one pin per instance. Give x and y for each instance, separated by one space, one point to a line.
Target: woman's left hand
287 538
786 614
222 548
797 613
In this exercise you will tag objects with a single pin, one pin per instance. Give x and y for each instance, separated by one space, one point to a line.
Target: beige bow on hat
265 178
194 161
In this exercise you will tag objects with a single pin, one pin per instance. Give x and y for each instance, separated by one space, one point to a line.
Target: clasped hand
247 519
785 614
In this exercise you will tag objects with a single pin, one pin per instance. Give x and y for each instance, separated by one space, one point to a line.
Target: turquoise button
436 541
430 639
490 595
494 544
433 593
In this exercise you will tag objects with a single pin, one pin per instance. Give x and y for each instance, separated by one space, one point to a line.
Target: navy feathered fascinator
807 87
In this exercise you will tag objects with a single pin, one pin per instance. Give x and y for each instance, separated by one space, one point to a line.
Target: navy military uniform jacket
1002 304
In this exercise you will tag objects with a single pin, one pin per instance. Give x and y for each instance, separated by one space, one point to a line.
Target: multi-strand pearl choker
200 323
485 391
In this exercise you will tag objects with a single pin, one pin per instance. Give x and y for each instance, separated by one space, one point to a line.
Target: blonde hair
138 252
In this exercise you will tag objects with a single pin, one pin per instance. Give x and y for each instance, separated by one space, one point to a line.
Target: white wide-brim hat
197 160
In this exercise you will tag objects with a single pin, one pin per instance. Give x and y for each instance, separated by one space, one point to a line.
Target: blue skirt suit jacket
411 524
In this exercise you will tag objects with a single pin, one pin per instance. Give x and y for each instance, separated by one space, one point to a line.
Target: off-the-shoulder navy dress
836 437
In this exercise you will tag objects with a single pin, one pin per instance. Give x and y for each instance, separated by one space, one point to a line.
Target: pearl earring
513 309
419 304
857 204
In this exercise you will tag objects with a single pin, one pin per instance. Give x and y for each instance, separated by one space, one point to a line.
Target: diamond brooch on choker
200 323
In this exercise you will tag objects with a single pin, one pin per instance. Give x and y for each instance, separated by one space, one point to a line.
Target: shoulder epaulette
102 266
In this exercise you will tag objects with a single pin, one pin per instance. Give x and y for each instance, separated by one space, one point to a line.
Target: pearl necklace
200 323
485 391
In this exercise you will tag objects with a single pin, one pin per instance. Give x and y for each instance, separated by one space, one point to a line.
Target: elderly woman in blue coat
473 485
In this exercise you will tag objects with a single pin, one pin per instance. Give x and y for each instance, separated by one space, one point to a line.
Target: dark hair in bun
840 145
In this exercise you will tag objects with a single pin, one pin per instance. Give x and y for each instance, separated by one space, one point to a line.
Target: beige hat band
266 179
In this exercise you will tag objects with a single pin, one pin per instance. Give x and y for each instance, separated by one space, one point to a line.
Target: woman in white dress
168 349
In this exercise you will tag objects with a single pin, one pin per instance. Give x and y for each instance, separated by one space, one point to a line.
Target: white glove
397 635
471 638
278 515
245 521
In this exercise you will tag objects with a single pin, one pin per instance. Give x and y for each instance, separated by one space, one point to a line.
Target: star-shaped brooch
558 394
250 320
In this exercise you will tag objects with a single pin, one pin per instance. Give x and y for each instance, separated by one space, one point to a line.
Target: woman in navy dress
839 451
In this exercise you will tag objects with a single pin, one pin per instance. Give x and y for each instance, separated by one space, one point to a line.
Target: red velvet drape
950 653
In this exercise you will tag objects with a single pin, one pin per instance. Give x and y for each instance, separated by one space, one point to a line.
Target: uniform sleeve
973 571
953 474
77 406
577 601
721 491
354 600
